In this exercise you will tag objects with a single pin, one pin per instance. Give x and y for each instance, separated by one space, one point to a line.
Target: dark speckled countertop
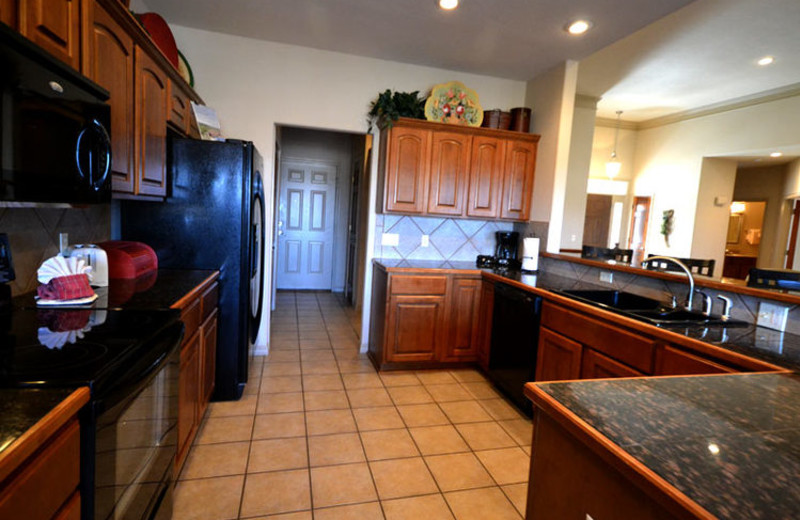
22 408
731 443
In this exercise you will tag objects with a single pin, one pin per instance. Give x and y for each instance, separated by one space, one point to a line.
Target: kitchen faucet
688 302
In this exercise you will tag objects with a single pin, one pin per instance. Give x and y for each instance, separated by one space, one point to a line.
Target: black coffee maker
505 252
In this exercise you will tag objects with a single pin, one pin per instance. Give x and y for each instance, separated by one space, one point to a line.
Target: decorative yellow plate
455 104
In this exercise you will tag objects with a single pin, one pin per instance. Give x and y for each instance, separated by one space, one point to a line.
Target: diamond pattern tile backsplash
33 235
449 239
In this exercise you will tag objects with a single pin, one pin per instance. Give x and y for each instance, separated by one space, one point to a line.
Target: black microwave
53 121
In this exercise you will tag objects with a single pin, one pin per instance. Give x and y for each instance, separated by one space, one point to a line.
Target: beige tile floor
320 434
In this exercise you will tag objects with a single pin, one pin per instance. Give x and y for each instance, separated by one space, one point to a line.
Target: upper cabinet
436 169
146 93
54 25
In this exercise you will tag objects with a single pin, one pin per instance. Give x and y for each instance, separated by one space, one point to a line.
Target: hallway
320 434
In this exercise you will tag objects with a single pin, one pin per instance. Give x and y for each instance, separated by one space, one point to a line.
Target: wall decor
667 222
453 103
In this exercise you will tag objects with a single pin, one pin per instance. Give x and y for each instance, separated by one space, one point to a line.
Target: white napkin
60 266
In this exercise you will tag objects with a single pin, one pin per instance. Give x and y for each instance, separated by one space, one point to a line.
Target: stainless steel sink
648 310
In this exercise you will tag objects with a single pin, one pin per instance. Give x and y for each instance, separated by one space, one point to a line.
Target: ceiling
648 58
514 39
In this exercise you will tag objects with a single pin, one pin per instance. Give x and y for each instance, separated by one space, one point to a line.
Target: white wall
552 97
255 85
711 218
669 160
580 156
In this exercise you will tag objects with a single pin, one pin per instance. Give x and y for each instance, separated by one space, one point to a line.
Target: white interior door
305 225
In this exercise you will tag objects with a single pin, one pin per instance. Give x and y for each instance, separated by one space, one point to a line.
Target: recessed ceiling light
766 60
776 154
579 27
448 5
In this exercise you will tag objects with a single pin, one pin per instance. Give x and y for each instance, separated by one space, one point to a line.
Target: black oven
53 121
130 361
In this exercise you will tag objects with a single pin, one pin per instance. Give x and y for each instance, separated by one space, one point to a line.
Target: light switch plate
772 316
390 239
606 276
426 241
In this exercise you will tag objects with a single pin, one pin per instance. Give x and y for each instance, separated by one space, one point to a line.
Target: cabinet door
448 173
463 314
485 177
673 362
209 362
179 108
151 127
407 162
559 358
188 393
518 172
598 366
485 323
8 13
414 328
54 25
109 61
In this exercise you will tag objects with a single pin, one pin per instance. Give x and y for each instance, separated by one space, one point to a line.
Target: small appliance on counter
530 254
96 258
505 253
129 260
484 261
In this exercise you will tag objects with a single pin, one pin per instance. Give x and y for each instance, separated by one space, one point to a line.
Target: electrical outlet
390 239
772 316
426 241
606 276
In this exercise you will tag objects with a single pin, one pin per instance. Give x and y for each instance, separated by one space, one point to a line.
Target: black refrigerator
212 218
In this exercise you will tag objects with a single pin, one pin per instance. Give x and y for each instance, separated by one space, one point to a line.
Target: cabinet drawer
598 366
209 300
631 349
674 362
47 481
191 317
405 284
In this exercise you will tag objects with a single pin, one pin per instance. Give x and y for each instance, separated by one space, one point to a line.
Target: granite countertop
158 292
730 443
20 409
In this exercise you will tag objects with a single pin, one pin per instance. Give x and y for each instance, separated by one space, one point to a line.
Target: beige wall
552 96
715 192
255 85
580 156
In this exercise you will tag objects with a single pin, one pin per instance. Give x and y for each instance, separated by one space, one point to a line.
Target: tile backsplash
449 239
33 235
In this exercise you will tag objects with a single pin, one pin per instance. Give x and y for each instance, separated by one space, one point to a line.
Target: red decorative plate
159 30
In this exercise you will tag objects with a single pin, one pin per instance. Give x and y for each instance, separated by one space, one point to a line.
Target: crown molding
612 123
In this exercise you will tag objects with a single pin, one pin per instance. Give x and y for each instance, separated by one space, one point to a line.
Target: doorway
317 228
637 238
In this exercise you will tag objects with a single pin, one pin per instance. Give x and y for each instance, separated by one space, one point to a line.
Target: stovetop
75 347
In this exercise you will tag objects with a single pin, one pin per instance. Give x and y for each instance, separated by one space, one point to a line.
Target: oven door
135 436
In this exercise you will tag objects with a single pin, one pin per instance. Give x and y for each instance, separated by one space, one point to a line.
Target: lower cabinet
671 361
598 366
558 358
424 320
198 364
485 311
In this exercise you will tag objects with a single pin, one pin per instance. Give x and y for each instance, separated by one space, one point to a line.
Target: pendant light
613 166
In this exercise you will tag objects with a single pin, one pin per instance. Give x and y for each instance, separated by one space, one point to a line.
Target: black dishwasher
515 338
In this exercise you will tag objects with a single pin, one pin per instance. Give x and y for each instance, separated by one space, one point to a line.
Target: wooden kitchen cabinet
463 320
150 127
595 365
671 361
198 362
518 172
485 323
485 185
406 160
179 108
54 25
436 169
558 357
8 13
109 61
449 170
424 320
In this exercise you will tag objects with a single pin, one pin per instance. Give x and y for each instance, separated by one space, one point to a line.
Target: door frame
636 199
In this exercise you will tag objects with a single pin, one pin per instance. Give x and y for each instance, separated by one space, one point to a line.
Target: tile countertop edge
656 487
29 442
